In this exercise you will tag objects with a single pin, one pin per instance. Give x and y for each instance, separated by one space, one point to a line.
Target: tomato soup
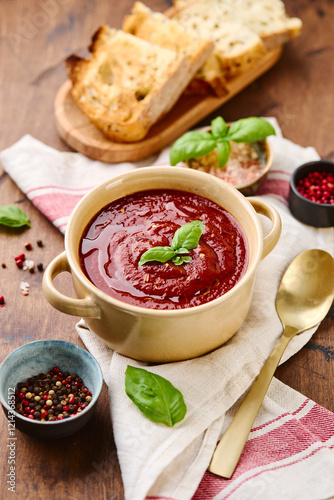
116 237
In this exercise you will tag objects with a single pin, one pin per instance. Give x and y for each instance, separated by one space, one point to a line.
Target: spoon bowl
304 297
306 290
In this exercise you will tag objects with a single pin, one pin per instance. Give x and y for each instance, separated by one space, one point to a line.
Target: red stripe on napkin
59 189
56 205
279 187
320 422
302 406
280 447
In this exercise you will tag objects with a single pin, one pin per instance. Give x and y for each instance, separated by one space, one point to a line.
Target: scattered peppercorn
28 246
21 256
24 286
2 300
317 187
40 243
3 265
40 267
35 400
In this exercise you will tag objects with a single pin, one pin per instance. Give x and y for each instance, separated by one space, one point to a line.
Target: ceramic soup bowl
162 335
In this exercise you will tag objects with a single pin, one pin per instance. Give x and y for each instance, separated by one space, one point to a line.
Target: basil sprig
196 143
12 216
185 238
155 396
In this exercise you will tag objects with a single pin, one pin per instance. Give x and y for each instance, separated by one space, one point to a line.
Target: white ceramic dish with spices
246 169
238 152
39 357
162 335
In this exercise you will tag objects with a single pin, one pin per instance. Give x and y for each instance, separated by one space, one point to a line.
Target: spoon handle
229 449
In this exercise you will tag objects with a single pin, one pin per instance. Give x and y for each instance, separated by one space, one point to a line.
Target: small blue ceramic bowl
40 357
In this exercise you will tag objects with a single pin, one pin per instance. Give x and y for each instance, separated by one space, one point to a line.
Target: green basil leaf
219 127
12 216
223 150
181 250
185 238
192 145
155 396
177 260
160 254
188 235
186 258
250 130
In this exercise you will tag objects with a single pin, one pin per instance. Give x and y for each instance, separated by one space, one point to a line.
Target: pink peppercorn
317 187
20 257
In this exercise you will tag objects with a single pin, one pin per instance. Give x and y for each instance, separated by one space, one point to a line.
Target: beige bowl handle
76 307
264 208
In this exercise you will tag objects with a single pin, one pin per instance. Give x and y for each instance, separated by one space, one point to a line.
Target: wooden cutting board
80 134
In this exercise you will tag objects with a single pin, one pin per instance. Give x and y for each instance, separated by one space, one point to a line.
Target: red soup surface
121 232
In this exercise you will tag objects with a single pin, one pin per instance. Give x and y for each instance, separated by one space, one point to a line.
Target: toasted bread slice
267 18
237 48
128 83
155 27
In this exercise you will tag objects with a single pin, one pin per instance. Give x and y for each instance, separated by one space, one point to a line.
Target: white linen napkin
290 450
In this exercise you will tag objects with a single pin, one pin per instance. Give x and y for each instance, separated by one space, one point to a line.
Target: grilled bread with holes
155 27
236 47
267 18
128 84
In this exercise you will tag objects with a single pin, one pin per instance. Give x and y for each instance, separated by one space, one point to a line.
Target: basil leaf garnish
219 127
160 254
177 260
223 151
155 396
185 238
180 259
251 129
12 216
191 145
188 236
182 250
196 143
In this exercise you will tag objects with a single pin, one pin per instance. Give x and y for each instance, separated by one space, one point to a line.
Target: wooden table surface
35 37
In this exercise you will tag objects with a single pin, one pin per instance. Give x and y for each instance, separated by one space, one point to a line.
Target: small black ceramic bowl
40 357
305 210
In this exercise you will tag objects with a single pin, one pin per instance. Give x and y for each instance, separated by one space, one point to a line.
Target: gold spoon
303 299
